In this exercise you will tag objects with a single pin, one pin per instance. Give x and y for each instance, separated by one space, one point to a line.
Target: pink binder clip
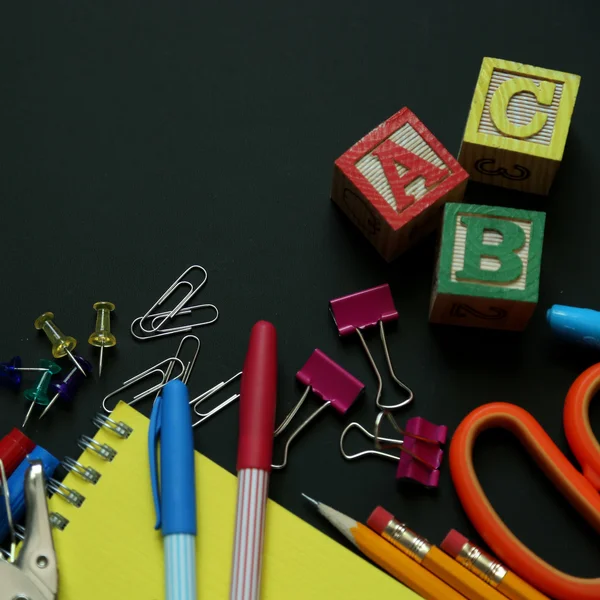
420 452
331 383
363 310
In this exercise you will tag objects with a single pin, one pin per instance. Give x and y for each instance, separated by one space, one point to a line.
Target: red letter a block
394 182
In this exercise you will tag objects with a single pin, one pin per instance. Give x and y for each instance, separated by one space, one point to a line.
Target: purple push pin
67 387
331 383
10 373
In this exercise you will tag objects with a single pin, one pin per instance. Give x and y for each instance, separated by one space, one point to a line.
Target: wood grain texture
488 267
518 125
393 183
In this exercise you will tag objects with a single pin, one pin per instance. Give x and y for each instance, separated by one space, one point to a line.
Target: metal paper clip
331 383
196 402
189 367
9 516
362 310
420 453
155 369
152 324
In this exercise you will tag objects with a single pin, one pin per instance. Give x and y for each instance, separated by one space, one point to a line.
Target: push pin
61 344
39 393
10 373
102 337
420 452
66 388
331 383
363 310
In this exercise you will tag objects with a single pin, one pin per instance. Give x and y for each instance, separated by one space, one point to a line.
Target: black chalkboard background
137 138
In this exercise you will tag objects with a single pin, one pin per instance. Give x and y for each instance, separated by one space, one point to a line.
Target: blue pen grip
178 485
16 487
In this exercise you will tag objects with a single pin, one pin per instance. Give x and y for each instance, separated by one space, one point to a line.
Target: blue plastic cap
579 325
175 497
16 487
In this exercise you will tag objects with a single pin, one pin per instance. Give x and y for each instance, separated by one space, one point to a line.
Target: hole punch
420 452
196 402
9 515
153 324
363 310
331 383
153 370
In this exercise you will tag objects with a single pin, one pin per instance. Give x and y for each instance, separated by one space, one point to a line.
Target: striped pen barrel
255 450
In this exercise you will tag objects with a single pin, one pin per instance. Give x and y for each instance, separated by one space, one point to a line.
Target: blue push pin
579 325
10 373
66 388
39 393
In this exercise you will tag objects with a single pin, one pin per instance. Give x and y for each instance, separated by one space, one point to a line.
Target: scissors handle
573 485
578 430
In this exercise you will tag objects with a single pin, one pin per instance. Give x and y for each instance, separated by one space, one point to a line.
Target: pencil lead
311 500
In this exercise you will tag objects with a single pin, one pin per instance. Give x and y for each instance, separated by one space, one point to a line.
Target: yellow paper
110 549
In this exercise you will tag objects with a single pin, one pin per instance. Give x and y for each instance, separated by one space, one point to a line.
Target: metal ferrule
406 540
483 565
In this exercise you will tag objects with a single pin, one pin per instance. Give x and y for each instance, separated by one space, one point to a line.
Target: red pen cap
14 447
258 394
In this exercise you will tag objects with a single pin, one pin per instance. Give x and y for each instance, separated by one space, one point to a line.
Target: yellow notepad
109 549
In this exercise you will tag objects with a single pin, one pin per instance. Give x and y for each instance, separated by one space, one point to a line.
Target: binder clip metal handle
34 574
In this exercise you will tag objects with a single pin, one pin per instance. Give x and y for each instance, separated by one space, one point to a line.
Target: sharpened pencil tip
311 500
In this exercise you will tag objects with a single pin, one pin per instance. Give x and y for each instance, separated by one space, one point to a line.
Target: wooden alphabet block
488 266
393 183
518 125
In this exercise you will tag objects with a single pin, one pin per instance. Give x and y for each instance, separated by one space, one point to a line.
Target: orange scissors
580 489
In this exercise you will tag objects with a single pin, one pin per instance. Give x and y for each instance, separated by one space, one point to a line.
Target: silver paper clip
196 402
152 324
153 370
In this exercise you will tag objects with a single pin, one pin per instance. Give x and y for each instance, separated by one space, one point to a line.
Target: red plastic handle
258 398
14 447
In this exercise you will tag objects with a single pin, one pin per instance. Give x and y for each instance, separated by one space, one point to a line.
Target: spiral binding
120 428
88 474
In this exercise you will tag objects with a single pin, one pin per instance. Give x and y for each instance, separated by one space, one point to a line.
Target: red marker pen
255 451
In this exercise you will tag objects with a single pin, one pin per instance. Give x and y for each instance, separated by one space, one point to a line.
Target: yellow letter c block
544 93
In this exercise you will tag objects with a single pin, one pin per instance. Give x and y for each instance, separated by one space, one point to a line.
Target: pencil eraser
453 543
379 519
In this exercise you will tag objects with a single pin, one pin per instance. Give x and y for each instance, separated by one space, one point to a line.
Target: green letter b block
510 263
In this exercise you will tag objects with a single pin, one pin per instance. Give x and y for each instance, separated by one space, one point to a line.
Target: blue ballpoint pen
175 495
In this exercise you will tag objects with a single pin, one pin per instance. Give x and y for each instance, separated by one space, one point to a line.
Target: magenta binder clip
331 383
420 452
364 310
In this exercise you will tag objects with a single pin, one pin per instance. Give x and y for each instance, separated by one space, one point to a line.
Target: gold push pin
102 337
61 344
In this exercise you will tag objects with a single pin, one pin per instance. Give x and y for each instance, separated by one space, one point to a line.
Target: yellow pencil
381 552
488 569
